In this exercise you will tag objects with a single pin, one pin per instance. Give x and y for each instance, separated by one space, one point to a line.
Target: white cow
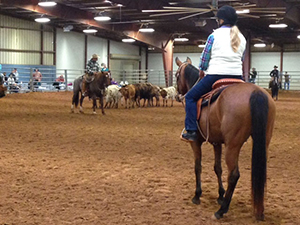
168 93
112 96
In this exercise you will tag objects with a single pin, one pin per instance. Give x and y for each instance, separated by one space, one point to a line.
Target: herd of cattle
133 93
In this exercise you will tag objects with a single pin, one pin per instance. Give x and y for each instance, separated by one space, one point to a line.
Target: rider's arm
205 56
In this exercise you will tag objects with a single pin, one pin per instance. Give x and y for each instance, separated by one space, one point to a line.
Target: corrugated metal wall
20 42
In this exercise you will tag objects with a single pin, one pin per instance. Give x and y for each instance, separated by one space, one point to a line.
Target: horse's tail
259 114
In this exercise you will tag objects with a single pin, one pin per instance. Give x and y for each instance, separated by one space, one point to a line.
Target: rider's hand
201 74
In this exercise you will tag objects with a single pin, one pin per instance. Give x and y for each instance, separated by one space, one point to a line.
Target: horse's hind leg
218 171
196 146
231 158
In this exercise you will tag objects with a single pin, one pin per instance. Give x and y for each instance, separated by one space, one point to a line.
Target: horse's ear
188 60
178 62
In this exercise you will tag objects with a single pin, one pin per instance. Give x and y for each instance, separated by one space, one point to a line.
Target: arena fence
156 77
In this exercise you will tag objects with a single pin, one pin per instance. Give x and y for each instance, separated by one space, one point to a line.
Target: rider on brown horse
91 68
221 58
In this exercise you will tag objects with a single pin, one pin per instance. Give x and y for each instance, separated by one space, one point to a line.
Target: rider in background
275 74
91 68
221 58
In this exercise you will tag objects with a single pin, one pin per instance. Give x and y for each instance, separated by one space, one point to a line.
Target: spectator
253 75
59 81
287 81
11 82
16 75
5 78
12 73
112 81
37 77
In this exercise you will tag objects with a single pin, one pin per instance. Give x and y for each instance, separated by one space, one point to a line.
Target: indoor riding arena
129 166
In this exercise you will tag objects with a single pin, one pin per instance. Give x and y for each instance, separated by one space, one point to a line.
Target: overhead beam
59 11
292 13
81 16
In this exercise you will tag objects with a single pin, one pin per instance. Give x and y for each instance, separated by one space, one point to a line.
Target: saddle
210 97
89 77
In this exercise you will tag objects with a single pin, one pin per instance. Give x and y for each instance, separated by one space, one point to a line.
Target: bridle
177 78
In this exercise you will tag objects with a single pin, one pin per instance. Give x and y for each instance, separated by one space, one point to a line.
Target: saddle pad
226 81
210 97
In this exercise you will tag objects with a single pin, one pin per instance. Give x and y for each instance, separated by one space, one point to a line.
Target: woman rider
221 58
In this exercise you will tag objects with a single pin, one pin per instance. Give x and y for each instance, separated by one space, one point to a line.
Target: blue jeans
286 85
193 95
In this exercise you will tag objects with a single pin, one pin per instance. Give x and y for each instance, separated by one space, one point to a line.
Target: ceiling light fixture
244 11
298 36
47 4
101 17
89 31
181 39
201 46
260 45
42 20
278 25
146 30
128 40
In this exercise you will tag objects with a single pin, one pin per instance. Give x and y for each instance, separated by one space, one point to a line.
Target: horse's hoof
94 113
217 216
260 217
196 201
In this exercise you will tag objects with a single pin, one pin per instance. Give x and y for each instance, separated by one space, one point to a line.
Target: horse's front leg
196 146
101 104
218 171
95 105
81 101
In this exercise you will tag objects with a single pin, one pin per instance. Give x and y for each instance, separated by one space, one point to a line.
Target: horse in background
274 86
96 90
241 110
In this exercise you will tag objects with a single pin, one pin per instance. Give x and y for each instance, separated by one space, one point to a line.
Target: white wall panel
123 48
48 59
265 61
48 41
19 58
70 50
291 61
8 21
97 46
20 39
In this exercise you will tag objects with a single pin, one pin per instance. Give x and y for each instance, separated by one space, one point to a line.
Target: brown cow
146 91
129 93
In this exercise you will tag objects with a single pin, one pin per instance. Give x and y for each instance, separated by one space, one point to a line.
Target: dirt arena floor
129 166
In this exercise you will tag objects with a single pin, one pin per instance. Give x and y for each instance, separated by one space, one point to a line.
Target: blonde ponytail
234 38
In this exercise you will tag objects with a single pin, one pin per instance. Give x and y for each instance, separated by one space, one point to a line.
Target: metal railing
157 77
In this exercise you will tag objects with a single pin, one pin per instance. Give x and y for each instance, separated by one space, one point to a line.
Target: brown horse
96 90
241 110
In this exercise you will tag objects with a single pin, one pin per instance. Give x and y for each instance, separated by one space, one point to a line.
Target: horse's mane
191 75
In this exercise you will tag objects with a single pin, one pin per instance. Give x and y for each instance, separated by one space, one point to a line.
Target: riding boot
190 136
